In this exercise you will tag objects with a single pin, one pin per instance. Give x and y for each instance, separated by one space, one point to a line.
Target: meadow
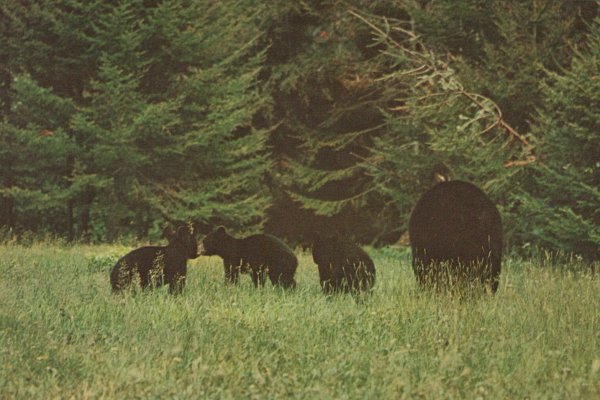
64 335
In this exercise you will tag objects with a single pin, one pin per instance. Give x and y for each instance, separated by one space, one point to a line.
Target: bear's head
213 244
183 236
323 247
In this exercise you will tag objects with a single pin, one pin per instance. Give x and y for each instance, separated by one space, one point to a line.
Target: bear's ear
168 232
220 229
183 232
441 173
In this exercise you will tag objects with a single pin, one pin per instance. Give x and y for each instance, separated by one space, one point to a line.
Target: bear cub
157 265
343 266
258 255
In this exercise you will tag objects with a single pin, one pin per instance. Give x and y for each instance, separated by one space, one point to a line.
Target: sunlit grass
63 333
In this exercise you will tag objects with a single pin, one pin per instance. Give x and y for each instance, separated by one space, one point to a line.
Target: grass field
64 335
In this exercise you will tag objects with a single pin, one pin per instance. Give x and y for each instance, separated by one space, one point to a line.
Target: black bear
257 255
455 233
158 265
343 266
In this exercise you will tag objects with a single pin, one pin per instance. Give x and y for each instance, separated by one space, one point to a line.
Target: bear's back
455 220
142 256
266 247
340 252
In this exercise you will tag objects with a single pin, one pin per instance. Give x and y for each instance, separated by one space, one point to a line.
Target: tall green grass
64 335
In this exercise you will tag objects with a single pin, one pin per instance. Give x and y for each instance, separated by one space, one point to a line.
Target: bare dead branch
424 61
520 163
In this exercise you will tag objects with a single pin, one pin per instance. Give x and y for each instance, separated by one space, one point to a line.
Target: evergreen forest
294 116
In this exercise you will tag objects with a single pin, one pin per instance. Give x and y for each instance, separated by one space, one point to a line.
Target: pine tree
500 48
560 207
35 147
319 71
161 100
168 130
434 121
48 50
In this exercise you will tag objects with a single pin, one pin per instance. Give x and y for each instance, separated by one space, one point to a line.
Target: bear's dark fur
257 255
343 266
455 234
157 265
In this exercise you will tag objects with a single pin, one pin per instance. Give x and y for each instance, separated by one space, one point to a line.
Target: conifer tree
35 147
168 131
296 116
560 207
319 71
499 48
161 99
434 121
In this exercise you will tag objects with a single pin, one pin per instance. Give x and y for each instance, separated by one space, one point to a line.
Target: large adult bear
157 265
455 234
343 266
258 255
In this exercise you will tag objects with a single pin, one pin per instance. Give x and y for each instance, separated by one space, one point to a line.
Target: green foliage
505 52
327 109
293 117
431 121
499 48
564 196
160 124
34 153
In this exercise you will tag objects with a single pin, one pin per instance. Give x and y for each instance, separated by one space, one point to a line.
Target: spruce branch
438 78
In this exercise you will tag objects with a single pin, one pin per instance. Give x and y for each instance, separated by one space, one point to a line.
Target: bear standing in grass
157 265
257 255
456 236
343 266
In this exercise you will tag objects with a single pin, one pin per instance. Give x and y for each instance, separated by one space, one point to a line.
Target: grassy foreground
64 335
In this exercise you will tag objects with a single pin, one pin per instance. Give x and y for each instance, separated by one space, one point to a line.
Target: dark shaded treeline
290 118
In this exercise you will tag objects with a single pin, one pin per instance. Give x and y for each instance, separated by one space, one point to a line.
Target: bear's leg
117 276
255 276
174 275
177 284
339 279
274 277
262 277
326 286
231 273
354 277
284 280
144 277
325 277
492 279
